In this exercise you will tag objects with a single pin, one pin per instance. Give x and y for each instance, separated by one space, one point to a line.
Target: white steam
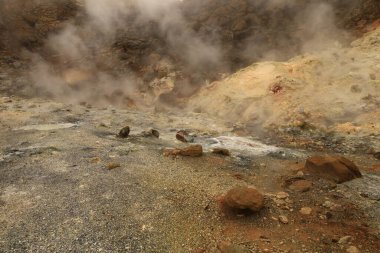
86 67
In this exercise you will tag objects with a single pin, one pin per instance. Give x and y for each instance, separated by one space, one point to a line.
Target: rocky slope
335 91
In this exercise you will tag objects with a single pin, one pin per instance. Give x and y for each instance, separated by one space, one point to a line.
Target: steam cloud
80 63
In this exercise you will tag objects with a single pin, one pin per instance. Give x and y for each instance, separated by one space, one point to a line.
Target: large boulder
244 198
336 168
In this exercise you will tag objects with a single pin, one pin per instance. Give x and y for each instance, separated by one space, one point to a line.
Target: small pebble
305 210
283 219
112 166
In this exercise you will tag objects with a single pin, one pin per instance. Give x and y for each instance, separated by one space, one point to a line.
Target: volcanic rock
221 151
301 185
193 151
334 168
124 132
183 136
244 198
151 133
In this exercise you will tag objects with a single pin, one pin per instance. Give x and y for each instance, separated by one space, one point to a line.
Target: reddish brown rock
334 168
301 185
193 151
376 168
112 166
183 136
244 198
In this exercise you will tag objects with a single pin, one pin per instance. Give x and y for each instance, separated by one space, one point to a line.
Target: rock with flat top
192 151
335 168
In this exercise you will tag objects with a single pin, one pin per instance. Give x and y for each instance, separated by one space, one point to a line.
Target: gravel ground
57 194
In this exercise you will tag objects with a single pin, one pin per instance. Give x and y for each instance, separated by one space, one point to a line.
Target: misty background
146 52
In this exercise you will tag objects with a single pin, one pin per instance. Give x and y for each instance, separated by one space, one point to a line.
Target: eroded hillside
335 91
150 53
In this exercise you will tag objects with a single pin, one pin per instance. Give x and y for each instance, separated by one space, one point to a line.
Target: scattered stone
301 185
244 198
112 166
352 249
155 133
282 195
345 239
193 151
226 247
306 210
300 174
184 136
283 219
328 204
151 133
335 168
377 155
124 132
279 202
221 151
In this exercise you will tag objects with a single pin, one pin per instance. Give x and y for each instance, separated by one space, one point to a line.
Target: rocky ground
69 184
130 147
